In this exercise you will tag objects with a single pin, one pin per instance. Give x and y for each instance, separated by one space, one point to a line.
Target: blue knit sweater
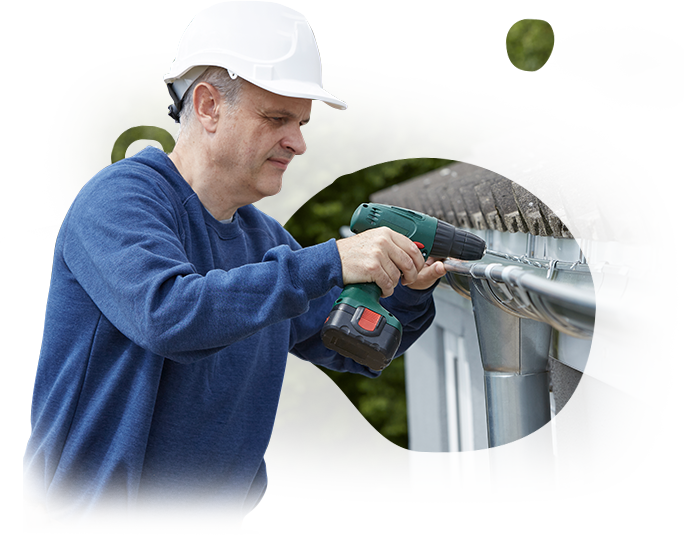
165 343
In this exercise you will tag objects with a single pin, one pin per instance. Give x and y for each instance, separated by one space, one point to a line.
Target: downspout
514 354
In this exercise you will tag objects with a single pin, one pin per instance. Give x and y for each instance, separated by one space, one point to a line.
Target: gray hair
218 77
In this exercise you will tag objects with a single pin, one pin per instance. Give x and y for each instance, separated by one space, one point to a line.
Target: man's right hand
382 256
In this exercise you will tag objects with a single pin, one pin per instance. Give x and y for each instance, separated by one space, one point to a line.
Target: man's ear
207 100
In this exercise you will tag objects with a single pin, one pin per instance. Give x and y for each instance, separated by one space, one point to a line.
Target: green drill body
359 327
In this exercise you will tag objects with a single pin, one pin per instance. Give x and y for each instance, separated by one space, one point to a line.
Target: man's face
258 140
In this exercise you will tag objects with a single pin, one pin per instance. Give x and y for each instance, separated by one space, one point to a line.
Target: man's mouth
280 163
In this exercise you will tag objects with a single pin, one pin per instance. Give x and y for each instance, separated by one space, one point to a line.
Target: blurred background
338 435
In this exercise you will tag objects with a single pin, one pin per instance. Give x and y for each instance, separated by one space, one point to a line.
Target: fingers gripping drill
358 326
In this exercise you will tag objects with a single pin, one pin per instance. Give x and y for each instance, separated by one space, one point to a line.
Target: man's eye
278 119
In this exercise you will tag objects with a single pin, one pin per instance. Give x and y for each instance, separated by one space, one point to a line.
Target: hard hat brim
296 89
286 88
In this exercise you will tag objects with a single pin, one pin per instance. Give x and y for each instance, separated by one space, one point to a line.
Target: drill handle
418 227
366 294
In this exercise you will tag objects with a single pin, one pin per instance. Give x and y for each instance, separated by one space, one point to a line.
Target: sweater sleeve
124 245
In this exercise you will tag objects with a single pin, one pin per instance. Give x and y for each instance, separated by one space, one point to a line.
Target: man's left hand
432 271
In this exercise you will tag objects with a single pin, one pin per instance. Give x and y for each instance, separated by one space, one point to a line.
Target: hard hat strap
175 108
180 86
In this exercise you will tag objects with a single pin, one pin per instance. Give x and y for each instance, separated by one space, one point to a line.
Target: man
174 302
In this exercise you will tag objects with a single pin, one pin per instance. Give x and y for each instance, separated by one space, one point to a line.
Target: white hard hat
267 44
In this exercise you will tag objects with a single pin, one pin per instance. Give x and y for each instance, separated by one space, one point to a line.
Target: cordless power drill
358 326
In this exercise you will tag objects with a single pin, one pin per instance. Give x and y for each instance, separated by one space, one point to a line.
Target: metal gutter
558 293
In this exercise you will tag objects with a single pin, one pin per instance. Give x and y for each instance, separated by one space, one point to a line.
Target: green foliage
570 56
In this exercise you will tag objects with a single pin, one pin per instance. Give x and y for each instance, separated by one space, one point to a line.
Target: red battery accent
369 320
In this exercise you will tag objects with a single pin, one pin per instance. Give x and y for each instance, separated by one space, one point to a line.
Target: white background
313 9
10 463
374 9
638 9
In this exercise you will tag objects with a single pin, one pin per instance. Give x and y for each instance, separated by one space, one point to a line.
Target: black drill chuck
456 243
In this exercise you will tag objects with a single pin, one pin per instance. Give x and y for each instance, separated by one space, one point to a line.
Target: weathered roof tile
504 199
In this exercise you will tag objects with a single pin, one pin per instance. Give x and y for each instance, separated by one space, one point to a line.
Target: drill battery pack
362 335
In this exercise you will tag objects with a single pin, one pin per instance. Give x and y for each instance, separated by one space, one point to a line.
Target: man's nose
294 142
